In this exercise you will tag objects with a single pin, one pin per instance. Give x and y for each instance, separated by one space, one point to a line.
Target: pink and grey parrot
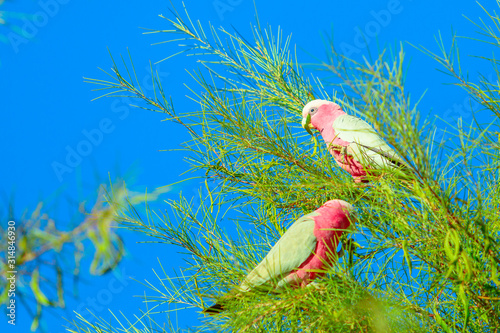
354 144
302 253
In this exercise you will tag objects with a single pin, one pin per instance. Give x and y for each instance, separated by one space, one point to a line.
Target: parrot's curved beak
306 124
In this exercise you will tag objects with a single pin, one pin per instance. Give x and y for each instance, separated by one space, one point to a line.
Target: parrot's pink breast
326 248
349 164
346 162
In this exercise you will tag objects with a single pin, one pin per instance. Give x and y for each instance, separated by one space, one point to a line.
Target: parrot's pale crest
306 249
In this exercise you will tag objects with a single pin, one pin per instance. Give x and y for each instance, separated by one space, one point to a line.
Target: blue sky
47 110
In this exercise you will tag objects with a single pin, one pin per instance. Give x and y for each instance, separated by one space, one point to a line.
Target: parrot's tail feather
214 309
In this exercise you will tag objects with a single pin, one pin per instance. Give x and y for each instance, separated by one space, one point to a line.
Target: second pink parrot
303 252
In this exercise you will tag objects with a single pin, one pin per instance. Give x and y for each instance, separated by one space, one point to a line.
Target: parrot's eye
313 110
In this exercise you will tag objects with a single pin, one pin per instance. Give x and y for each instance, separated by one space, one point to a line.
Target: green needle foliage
426 247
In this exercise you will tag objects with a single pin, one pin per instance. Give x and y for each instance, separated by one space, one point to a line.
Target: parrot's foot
214 309
349 247
360 179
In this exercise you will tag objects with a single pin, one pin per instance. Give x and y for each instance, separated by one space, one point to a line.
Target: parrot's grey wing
291 250
394 160
366 144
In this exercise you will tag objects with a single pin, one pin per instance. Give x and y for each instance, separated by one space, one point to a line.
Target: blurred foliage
427 250
9 21
49 252
2 13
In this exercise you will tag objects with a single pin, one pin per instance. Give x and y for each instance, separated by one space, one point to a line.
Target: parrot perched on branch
302 253
354 144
